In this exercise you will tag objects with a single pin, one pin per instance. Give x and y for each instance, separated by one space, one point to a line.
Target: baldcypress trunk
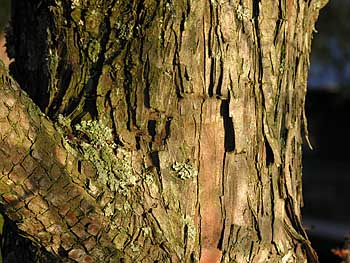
171 131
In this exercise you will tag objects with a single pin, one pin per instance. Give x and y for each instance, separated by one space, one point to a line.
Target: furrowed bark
42 183
206 101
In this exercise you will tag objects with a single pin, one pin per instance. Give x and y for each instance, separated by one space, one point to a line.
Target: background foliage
4 13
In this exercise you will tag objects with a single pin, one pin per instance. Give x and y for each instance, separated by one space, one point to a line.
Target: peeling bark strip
197 109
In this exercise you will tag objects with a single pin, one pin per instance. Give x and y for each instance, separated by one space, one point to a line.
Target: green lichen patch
63 122
148 178
97 133
184 170
191 228
242 13
113 165
94 49
75 3
94 141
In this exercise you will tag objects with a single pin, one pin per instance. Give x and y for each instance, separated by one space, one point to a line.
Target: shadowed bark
172 130
42 183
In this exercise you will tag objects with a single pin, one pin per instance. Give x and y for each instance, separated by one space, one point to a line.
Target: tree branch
42 183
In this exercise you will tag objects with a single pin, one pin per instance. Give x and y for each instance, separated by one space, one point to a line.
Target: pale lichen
94 48
63 121
135 247
191 229
94 141
99 135
169 6
109 210
113 165
125 31
75 3
184 170
282 66
146 231
127 207
242 13
148 178
214 3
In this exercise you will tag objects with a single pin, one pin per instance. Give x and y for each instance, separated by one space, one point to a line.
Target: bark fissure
229 142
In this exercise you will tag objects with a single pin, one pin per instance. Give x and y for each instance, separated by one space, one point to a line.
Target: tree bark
171 131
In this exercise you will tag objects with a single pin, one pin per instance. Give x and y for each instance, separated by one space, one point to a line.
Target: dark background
4 13
326 174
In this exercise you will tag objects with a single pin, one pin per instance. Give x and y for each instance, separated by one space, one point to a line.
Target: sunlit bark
205 104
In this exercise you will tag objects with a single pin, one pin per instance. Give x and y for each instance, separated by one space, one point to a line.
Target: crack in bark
229 141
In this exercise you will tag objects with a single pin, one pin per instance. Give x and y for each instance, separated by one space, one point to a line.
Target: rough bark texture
201 109
3 54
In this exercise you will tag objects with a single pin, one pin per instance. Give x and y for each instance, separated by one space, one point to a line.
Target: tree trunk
172 129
